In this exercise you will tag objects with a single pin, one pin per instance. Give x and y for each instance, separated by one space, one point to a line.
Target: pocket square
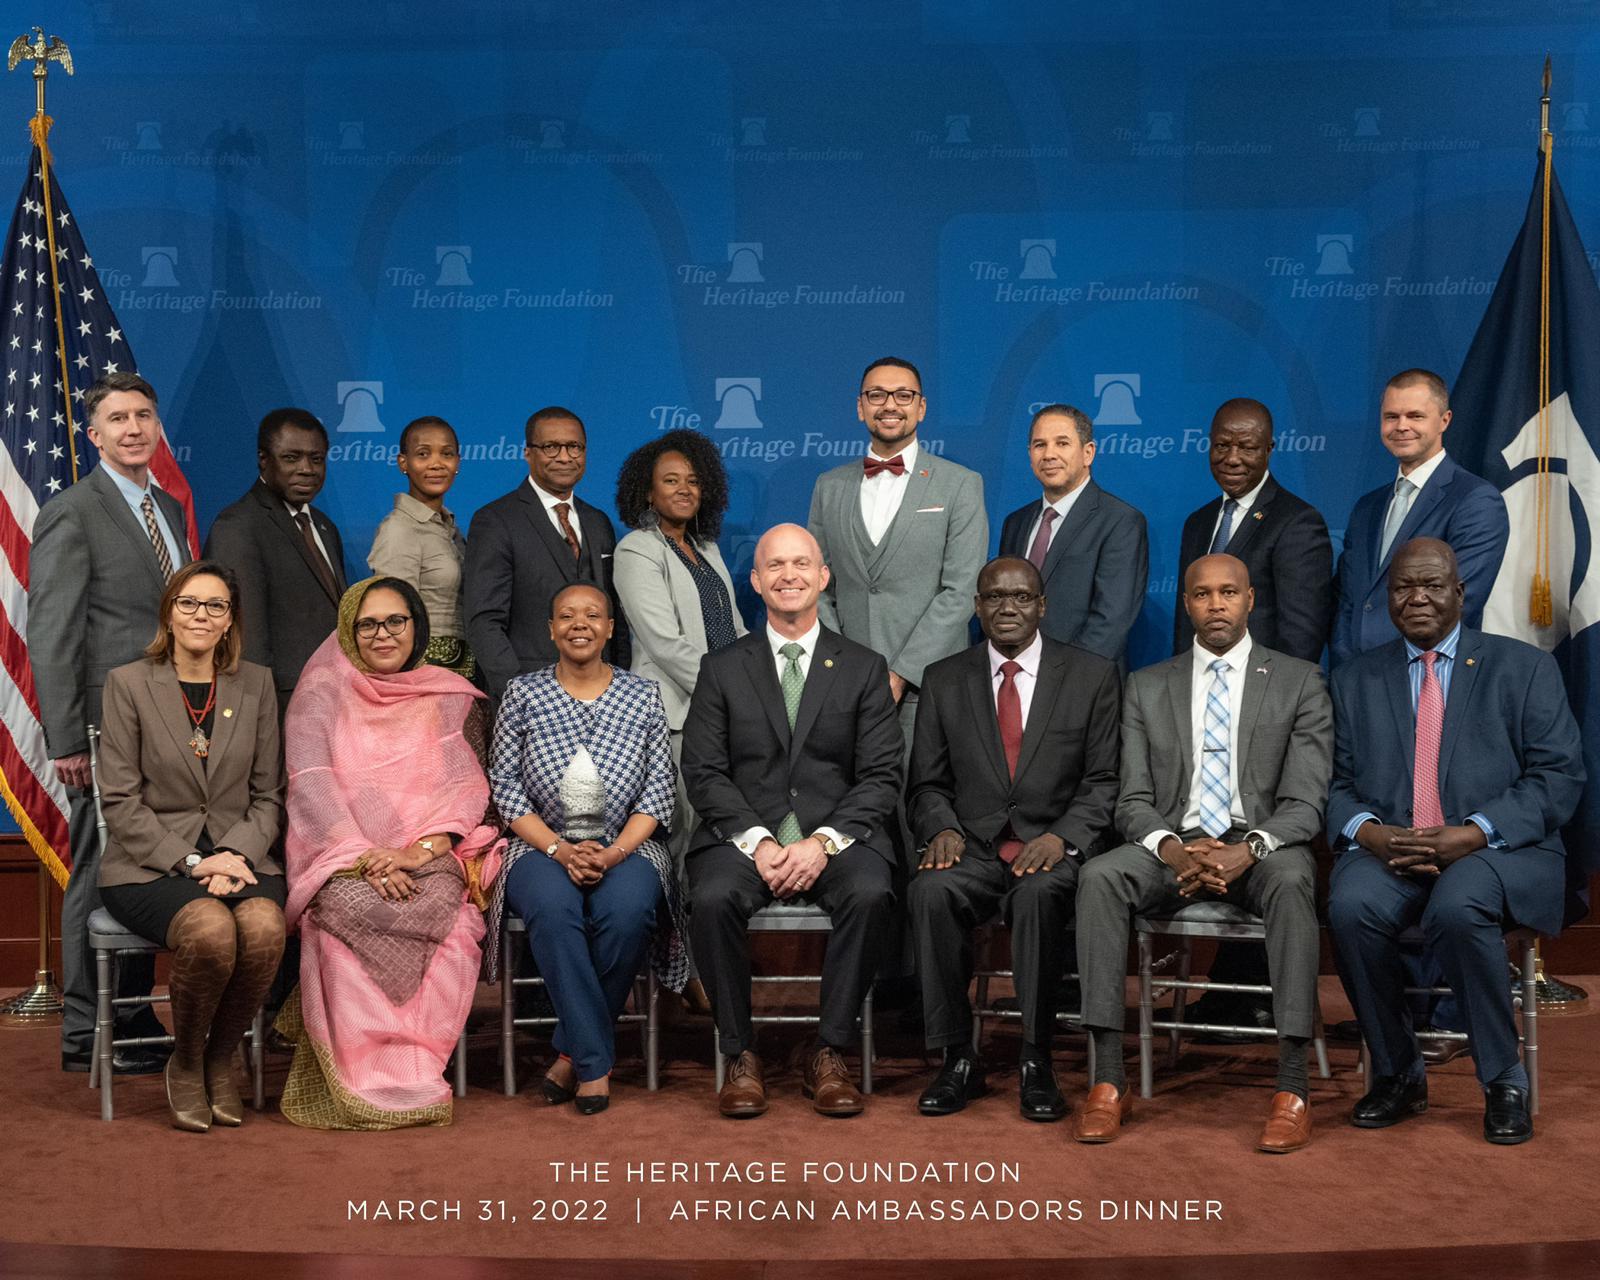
920 510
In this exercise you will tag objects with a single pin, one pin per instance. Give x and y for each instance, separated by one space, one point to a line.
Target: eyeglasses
1022 599
902 396
395 624
553 449
190 605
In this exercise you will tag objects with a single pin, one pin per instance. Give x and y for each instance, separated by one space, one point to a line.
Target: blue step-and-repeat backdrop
714 214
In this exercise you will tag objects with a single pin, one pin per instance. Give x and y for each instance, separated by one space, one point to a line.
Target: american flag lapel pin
1259 515
1471 662
1261 671
923 473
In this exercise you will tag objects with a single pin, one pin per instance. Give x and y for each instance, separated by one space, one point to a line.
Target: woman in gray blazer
674 587
191 783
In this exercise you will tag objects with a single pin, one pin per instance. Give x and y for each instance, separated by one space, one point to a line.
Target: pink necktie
1426 810
1008 707
1041 540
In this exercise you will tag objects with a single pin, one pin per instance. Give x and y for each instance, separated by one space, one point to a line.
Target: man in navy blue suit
1456 762
1430 497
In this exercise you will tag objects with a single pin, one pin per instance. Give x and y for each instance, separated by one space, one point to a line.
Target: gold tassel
1540 609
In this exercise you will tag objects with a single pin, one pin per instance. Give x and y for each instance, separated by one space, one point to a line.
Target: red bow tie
873 465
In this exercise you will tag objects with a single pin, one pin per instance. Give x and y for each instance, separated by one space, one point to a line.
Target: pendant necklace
200 744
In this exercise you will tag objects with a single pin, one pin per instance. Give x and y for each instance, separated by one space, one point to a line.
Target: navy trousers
589 944
1464 918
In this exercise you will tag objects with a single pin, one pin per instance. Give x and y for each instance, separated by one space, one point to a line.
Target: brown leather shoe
1103 1114
227 1107
827 1084
1288 1124
744 1092
186 1098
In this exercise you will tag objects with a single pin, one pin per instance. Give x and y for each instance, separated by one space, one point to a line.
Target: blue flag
1496 434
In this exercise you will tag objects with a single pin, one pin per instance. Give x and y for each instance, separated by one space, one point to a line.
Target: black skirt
147 909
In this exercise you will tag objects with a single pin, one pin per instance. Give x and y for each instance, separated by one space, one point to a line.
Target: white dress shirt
1026 679
1061 506
746 841
134 496
550 500
1237 659
294 513
1419 476
881 494
1239 512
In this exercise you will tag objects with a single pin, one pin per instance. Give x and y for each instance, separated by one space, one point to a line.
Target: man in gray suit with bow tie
102 553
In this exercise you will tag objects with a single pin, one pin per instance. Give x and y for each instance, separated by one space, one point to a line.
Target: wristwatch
554 845
190 862
826 841
1257 843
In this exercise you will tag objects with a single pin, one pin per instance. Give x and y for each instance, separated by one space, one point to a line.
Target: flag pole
40 1005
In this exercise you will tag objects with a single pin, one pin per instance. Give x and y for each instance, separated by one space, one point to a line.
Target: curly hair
638 475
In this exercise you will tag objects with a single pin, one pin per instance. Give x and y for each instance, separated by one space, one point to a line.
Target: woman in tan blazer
191 784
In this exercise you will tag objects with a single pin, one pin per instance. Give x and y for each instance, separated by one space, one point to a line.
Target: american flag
37 461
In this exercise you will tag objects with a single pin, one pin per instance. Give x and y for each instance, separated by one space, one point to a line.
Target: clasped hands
587 861
222 873
789 869
388 871
1205 865
1420 852
1039 854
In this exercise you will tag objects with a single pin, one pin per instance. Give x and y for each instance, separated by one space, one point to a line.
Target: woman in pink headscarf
387 855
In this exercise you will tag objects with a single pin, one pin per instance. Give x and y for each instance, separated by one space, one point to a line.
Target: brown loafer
1103 1114
227 1107
827 1084
744 1092
1288 1124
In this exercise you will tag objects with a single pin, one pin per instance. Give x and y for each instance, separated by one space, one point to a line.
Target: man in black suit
287 553
791 754
1283 542
1013 781
525 547
1282 539
1092 550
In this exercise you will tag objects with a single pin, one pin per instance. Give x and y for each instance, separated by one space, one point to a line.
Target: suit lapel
764 679
1200 542
1180 683
172 711
1463 680
819 683
121 515
1254 518
980 696
278 513
1076 522
1397 688
1257 672
545 530
229 691
1042 707
916 490
1431 496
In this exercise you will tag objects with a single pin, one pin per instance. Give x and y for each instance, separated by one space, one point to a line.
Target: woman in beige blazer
191 784
674 588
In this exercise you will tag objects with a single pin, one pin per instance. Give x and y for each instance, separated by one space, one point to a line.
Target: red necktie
1008 706
1426 811
895 466
561 510
1041 540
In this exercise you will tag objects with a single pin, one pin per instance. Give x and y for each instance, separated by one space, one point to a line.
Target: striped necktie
1216 793
163 556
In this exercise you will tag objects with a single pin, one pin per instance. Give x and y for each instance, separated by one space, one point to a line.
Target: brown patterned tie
567 530
319 562
163 556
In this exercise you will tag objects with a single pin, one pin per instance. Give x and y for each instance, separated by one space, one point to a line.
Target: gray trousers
1130 880
136 973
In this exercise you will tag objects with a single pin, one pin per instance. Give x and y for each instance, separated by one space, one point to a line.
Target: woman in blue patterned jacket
582 770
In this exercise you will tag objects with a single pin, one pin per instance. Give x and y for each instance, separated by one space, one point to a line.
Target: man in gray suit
903 533
102 553
1093 550
1227 750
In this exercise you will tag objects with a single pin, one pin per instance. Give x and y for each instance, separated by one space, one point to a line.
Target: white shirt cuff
838 837
1153 841
746 841
1271 841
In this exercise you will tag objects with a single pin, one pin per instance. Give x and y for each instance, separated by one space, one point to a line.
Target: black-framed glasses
395 624
553 449
994 599
902 396
188 606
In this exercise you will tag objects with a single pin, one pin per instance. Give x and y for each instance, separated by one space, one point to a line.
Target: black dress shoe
1506 1119
1230 1007
959 1081
1040 1095
1390 1100
136 1060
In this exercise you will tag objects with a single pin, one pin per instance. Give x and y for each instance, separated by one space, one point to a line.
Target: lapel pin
1471 661
227 712
1259 515
827 662
1261 671
923 473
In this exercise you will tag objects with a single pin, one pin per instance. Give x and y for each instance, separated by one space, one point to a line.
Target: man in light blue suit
1430 497
1456 762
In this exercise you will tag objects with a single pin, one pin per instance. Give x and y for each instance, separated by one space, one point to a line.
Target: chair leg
258 1061
652 1033
461 1063
508 1006
1530 1024
1319 1042
868 1047
641 1007
980 1006
103 1032
1146 1066
1180 998
721 1062
1366 1064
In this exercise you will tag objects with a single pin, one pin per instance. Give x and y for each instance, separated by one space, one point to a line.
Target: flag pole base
38 1006
1559 998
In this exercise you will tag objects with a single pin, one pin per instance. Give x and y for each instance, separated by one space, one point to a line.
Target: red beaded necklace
200 743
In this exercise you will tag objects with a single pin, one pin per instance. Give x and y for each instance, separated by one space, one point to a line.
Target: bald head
789 575
1218 598
1425 591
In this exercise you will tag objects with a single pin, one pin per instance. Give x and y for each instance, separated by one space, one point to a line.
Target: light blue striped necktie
1216 795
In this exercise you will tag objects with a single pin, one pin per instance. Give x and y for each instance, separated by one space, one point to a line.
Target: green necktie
793 681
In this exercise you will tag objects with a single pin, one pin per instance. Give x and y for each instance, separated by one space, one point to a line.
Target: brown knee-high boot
258 927
202 941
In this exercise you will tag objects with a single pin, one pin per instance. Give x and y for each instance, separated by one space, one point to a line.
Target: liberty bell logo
360 401
453 260
744 263
158 263
1117 393
738 397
